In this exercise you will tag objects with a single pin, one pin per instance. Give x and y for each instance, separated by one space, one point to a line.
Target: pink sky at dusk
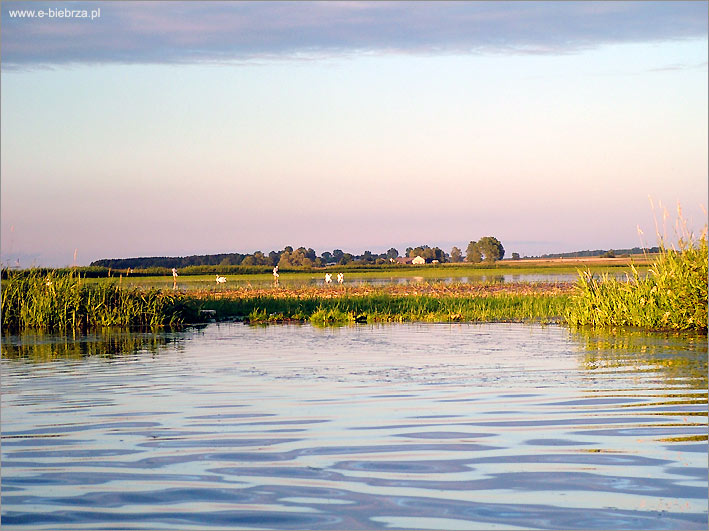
351 126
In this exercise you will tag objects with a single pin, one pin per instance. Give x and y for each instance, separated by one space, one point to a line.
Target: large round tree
472 253
491 248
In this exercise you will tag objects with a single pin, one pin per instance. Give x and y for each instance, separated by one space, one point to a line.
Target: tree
301 257
285 260
427 252
392 254
473 254
491 248
515 256
294 258
456 255
438 254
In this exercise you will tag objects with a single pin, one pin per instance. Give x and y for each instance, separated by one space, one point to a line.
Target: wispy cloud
187 32
678 67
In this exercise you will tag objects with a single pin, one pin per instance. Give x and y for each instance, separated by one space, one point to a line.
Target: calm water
498 426
530 277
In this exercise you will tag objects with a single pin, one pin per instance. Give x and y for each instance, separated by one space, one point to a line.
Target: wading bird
221 280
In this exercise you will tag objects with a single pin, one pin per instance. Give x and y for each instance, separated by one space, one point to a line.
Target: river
427 426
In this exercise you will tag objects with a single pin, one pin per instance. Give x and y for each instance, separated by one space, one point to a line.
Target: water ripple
423 426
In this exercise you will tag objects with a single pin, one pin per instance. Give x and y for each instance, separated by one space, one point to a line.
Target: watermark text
62 12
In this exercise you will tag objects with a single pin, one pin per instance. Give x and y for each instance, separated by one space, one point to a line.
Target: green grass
375 308
672 296
60 302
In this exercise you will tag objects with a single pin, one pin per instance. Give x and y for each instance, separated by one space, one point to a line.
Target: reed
59 302
672 296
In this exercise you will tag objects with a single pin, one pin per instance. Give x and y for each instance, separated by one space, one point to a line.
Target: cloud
192 32
678 67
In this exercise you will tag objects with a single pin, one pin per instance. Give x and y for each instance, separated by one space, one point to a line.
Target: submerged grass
59 302
672 296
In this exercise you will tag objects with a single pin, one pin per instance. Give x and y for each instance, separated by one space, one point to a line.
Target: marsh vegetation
62 302
667 291
672 296
421 302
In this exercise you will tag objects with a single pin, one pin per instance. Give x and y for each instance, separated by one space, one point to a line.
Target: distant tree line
488 249
607 253
286 258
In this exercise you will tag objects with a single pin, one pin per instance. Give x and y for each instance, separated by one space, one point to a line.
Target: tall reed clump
672 296
58 302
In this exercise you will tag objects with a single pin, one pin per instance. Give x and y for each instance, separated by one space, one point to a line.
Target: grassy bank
421 303
60 302
672 296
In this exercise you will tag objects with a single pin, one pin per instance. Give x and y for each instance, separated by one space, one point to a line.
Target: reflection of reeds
108 343
58 302
677 356
672 296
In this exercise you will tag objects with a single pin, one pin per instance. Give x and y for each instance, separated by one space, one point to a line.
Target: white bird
221 280
328 278
340 278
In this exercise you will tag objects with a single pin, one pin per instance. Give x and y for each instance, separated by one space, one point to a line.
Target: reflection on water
38 346
368 427
638 351
490 279
353 279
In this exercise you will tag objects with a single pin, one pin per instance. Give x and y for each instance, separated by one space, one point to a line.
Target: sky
180 128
